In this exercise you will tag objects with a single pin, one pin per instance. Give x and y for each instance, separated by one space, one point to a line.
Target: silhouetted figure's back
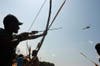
7 45
6 52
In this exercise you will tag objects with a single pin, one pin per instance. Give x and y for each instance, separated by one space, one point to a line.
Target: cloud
90 41
53 55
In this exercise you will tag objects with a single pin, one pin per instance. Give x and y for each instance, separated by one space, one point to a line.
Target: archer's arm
28 36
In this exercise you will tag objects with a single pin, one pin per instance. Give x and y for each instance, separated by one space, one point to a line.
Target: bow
35 52
46 30
48 25
48 21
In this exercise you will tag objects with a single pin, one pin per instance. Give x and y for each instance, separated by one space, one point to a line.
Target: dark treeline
46 64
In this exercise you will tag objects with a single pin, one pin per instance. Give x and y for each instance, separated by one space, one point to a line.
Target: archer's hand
34 32
44 33
34 52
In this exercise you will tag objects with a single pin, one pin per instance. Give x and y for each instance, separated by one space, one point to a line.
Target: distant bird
87 27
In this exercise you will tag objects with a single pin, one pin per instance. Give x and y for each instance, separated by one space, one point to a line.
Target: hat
11 19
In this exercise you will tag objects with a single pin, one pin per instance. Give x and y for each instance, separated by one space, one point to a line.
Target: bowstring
34 20
37 14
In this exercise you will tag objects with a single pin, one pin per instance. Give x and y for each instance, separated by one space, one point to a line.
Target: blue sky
63 46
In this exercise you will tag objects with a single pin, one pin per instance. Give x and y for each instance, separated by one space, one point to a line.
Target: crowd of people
22 60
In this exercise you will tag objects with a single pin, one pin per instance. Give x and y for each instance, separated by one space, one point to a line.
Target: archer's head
11 23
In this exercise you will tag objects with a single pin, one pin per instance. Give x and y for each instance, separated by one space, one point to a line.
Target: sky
63 46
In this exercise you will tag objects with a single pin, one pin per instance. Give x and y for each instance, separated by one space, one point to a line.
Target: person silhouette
9 38
97 47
